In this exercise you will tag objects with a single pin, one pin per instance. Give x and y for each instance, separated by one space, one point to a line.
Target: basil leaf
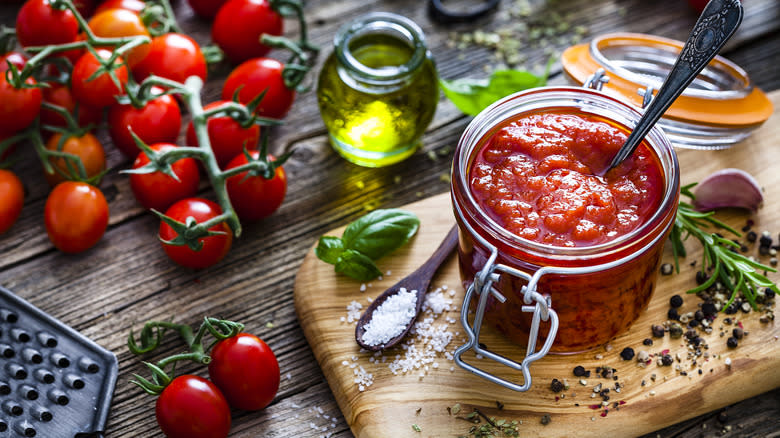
473 95
380 232
329 249
357 266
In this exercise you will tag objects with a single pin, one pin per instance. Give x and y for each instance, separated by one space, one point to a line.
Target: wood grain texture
388 406
126 279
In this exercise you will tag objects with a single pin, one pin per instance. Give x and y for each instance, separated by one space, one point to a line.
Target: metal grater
54 382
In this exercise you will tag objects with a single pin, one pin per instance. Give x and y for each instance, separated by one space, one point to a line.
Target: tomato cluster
123 70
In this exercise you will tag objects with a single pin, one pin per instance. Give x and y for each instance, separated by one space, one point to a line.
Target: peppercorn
556 385
647 342
701 277
709 309
696 341
666 269
675 331
751 236
627 353
769 292
732 342
672 314
693 323
723 417
765 240
658 331
675 301
667 360
546 419
579 371
738 332
690 334
763 250
730 310
698 315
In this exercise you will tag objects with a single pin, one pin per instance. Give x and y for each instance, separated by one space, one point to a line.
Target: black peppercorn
667 269
556 385
723 417
693 323
698 316
667 360
579 371
730 310
763 250
546 419
672 314
690 334
709 309
769 293
701 277
658 331
751 236
765 240
675 301
696 341
647 341
732 342
738 332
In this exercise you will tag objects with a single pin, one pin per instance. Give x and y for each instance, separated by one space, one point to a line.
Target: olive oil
377 92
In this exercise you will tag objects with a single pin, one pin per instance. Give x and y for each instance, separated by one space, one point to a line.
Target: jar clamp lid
720 108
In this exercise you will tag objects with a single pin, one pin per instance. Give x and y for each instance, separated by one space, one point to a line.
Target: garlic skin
728 188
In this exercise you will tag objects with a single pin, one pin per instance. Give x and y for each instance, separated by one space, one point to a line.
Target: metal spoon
417 281
715 26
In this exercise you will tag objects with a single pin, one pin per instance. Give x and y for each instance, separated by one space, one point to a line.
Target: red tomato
255 197
86 147
115 23
240 23
61 95
38 24
173 56
101 91
17 59
227 136
18 107
206 8
76 216
159 191
246 371
130 5
214 247
255 76
85 7
157 122
192 407
11 199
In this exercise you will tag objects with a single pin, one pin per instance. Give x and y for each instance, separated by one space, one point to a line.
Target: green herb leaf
329 249
357 266
473 95
380 232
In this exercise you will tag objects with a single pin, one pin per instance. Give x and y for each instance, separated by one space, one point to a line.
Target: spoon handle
715 26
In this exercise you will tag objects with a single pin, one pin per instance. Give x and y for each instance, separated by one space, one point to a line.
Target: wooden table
126 279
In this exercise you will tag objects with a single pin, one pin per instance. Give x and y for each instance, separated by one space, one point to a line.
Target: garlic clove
728 188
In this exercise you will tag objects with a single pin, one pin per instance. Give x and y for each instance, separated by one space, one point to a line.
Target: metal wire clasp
537 304
597 80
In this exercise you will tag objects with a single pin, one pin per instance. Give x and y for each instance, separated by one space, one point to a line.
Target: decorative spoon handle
715 26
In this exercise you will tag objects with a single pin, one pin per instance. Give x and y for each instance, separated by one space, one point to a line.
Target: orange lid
721 96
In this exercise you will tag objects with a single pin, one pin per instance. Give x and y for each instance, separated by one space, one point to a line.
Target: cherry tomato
16 58
61 95
159 191
226 135
192 407
214 247
206 8
246 371
130 5
86 147
255 76
255 197
18 107
157 122
240 23
11 199
173 56
76 216
101 91
38 24
85 7
115 23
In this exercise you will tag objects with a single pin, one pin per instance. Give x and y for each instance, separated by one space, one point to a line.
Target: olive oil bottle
377 91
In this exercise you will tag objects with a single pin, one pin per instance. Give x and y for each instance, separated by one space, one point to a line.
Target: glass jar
514 283
378 90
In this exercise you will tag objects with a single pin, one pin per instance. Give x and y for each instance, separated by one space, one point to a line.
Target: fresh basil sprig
369 238
473 95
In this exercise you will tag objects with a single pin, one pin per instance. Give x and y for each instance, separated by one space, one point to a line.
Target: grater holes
24 428
44 376
7 351
8 316
19 335
74 381
11 407
60 360
88 365
32 356
46 339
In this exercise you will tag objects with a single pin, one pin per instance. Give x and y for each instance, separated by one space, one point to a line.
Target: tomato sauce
537 177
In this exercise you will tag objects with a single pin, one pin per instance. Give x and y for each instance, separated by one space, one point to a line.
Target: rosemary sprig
736 272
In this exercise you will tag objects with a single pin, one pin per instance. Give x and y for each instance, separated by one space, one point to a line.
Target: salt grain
391 318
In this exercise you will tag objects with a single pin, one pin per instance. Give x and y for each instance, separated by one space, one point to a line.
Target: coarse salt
391 318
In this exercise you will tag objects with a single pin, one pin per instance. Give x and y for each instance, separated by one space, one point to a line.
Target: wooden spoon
418 282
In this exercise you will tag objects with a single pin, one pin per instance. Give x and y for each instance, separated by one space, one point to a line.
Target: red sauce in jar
536 177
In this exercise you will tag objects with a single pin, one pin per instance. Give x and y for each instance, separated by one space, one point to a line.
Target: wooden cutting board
392 404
